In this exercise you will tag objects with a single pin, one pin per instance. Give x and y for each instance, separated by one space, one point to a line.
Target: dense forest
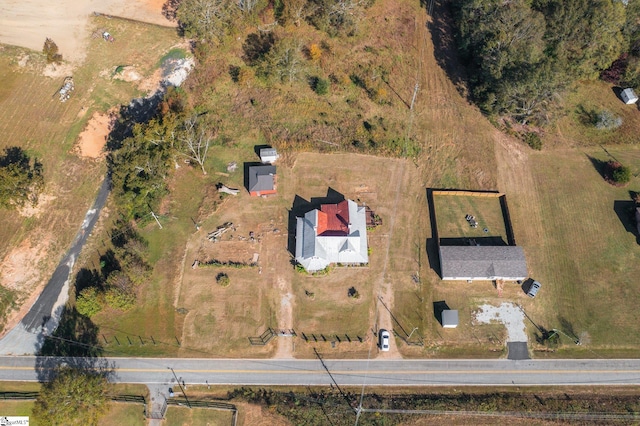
522 54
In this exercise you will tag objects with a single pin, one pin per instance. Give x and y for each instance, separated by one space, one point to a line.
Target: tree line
522 54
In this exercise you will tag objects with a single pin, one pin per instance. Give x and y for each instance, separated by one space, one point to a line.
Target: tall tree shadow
73 344
443 36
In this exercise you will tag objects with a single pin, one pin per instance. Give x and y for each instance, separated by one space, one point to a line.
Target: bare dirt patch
36 210
18 269
93 138
28 23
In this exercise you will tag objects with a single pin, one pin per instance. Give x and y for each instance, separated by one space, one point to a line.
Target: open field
576 230
31 116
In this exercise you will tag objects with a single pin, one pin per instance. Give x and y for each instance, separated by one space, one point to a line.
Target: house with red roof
334 233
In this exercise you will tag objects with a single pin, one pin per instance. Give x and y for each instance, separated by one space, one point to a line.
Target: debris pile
66 89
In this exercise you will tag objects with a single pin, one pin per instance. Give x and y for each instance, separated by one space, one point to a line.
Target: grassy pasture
32 117
584 252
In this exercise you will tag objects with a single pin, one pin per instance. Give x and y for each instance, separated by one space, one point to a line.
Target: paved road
345 373
44 315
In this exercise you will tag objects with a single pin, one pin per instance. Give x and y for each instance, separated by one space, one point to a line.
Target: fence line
457 192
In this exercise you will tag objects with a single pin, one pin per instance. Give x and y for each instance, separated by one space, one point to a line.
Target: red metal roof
333 219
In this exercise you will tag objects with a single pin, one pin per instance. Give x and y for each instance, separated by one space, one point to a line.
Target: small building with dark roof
483 263
262 180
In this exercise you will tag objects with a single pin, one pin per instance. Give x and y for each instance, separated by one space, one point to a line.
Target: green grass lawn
587 259
451 212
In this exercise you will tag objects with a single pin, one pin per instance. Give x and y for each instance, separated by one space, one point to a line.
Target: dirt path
285 318
383 288
516 178
28 23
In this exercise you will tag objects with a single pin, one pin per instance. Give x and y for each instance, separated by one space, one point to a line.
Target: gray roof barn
482 263
261 178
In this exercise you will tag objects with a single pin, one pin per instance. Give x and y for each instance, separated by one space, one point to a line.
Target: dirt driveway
28 23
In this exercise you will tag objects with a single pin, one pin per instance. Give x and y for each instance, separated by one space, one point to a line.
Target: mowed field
579 238
33 118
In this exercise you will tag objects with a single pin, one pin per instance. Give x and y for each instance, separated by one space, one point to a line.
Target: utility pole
181 388
415 94
156 218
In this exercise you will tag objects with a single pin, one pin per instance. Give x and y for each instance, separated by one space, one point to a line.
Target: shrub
353 293
622 175
118 299
244 76
605 120
315 52
223 279
533 140
381 95
617 173
319 85
89 302
50 49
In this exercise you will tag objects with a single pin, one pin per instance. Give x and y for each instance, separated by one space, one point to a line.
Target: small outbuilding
262 180
268 155
450 318
628 96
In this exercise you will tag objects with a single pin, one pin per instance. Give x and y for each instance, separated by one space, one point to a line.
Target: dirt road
28 23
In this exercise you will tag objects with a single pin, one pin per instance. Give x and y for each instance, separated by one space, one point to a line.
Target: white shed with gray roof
471 263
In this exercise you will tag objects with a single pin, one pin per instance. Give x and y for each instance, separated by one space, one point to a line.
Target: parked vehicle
383 337
533 289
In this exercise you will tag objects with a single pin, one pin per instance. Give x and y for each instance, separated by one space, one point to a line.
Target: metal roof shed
449 318
628 96
268 155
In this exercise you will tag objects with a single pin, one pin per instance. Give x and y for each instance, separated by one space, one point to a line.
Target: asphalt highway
289 372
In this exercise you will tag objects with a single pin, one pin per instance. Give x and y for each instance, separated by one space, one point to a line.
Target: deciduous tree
206 19
194 140
73 397
21 180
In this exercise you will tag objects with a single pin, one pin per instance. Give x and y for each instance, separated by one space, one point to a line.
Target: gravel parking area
508 314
